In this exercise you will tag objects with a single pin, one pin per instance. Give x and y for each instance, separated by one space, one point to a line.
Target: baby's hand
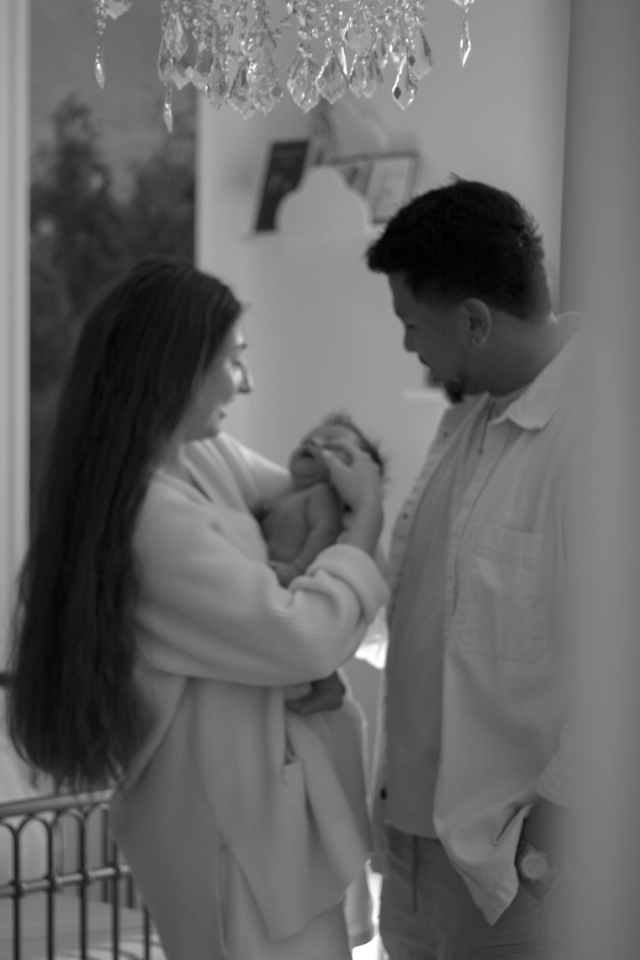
326 694
285 572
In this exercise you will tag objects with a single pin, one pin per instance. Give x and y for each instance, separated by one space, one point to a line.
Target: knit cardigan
224 765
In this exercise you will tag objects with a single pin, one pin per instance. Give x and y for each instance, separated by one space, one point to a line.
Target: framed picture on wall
385 180
285 166
390 184
355 170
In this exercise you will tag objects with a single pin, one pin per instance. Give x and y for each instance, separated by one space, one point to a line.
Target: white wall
323 337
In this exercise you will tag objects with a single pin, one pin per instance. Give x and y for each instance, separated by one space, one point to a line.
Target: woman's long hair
74 710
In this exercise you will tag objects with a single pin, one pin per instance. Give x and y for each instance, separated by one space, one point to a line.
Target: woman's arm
206 609
258 478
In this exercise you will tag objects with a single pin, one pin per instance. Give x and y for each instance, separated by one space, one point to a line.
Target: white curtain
14 325
601 275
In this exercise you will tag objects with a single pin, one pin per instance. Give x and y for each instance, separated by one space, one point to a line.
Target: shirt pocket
502 606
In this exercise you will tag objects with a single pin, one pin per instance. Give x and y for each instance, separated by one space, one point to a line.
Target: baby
308 518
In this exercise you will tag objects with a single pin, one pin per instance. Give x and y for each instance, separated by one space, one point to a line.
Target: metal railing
78 854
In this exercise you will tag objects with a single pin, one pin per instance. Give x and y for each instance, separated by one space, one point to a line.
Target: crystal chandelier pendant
465 37
167 108
217 86
259 40
240 94
404 89
102 10
365 76
332 81
358 76
382 49
375 77
100 16
265 84
173 68
397 46
465 41
301 84
98 68
202 69
419 56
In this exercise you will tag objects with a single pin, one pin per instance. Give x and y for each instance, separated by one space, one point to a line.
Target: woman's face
224 377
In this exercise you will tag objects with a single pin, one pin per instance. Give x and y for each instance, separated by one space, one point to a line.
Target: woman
153 642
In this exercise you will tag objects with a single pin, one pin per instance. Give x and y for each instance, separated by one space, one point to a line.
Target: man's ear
478 322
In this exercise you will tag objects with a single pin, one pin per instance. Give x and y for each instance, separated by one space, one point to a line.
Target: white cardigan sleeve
258 479
205 609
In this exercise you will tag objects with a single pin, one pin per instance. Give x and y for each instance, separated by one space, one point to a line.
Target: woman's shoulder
167 486
256 477
171 508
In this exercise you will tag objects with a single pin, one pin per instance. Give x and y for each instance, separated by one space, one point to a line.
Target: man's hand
544 830
326 694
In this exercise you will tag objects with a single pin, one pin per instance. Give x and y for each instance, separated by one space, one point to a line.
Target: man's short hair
467 239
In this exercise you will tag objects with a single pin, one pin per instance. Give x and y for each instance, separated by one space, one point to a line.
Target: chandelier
226 48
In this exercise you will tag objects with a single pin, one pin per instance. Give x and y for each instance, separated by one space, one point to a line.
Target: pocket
502 607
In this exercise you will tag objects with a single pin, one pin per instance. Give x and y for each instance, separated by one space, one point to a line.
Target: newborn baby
308 518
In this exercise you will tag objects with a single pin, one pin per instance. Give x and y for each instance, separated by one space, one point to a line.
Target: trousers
426 911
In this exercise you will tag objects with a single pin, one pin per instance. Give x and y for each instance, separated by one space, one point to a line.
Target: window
109 185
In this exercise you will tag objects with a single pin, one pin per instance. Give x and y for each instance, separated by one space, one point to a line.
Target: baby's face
305 462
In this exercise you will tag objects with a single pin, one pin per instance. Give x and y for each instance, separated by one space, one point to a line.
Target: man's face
431 332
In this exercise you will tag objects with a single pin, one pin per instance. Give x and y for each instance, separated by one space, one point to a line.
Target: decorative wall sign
285 167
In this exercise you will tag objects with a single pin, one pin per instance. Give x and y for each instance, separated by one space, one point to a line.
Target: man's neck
523 352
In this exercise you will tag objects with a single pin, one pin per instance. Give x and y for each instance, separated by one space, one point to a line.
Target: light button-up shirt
506 580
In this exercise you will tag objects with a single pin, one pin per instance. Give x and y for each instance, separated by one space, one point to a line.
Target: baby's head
306 464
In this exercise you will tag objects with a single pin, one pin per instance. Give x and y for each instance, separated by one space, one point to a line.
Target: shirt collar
536 405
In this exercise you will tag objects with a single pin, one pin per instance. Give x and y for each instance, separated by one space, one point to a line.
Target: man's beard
455 390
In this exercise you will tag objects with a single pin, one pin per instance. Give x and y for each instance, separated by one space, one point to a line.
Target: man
475 781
